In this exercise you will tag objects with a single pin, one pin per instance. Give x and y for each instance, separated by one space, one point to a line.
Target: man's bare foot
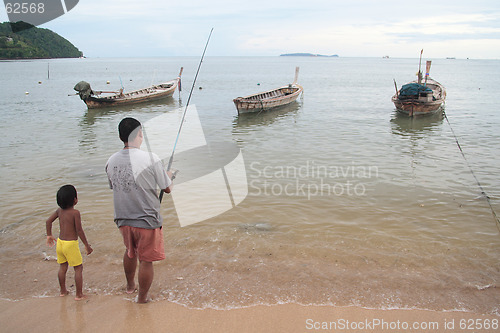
64 293
131 290
141 301
81 298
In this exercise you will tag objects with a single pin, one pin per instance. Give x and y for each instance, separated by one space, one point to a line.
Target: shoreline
119 313
199 282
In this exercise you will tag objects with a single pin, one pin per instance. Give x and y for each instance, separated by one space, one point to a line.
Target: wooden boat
93 99
269 99
417 98
429 99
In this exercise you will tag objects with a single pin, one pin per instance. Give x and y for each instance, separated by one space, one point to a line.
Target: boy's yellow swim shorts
68 251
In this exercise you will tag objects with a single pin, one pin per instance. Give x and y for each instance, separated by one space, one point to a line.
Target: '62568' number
479 324
24 7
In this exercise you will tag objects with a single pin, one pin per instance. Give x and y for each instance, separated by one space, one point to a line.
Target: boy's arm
81 233
48 226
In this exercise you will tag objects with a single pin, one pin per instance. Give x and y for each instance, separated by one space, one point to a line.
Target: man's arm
172 177
107 174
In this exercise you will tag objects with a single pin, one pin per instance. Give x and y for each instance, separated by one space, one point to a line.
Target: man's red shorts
147 244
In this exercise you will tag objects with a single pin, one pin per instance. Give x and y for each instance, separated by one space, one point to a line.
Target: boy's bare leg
146 274
129 266
79 282
61 275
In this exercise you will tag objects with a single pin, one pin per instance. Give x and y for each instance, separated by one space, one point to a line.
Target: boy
67 244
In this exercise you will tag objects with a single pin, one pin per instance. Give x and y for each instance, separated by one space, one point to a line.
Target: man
135 175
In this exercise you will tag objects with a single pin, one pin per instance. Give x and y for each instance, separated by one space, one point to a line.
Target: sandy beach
120 314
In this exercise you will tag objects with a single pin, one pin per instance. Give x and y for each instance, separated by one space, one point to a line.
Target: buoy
200 88
27 93
107 82
39 82
258 84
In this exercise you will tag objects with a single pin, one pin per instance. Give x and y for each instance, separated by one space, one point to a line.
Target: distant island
307 55
22 40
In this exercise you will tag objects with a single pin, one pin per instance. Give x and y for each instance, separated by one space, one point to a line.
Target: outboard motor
84 90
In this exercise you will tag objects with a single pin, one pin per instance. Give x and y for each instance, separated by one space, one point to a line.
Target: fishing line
185 110
473 174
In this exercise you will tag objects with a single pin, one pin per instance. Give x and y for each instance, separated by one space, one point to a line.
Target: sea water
348 202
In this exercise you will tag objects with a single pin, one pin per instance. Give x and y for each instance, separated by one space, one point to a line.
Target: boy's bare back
69 218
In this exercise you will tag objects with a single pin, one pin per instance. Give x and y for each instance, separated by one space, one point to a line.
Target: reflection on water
88 138
402 124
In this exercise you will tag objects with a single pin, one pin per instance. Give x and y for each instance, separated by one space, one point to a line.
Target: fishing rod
170 161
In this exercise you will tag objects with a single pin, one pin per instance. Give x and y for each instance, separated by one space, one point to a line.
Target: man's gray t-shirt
135 177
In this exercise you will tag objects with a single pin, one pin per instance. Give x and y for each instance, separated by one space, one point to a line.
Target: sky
349 28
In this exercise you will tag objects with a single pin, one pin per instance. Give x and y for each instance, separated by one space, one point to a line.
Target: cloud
451 25
271 27
377 38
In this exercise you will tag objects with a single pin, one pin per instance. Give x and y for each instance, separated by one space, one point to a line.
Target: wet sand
120 314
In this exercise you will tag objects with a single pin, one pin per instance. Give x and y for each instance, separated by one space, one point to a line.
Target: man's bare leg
146 274
129 266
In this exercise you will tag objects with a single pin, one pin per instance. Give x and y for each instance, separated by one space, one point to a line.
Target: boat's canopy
411 90
83 89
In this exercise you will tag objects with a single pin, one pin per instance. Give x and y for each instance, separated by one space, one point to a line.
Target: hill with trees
22 40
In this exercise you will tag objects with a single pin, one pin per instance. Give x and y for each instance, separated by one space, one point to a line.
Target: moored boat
94 100
269 99
420 98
